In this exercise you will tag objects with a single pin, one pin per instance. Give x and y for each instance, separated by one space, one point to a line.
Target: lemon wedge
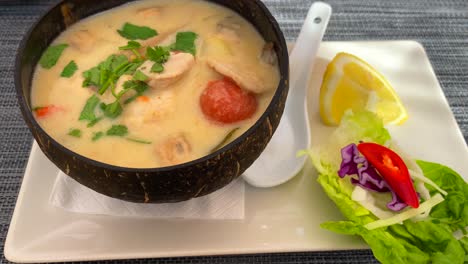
351 83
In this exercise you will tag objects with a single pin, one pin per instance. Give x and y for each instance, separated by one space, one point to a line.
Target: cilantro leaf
117 130
139 86
74 132
131 45
69 70
91 77
131 99
133 66
158 54
112 110
185 41
157 67
51 55
97 135
92 123
107 72
132 32
139 76
117 62
88 110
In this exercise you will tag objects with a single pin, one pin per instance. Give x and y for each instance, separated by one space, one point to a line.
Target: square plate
281 219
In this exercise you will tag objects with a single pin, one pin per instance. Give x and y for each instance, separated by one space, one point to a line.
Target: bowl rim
34 125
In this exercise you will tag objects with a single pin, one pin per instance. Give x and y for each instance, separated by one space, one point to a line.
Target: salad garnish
368 178
421 217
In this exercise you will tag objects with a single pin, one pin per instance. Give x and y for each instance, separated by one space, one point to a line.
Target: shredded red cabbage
353 163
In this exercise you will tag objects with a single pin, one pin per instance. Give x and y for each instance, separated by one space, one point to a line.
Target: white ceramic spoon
278 162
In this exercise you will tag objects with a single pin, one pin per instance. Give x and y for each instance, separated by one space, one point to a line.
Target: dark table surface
440 25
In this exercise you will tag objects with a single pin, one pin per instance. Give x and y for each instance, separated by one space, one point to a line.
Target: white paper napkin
226 203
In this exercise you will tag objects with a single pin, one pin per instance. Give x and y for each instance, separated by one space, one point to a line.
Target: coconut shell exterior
158 185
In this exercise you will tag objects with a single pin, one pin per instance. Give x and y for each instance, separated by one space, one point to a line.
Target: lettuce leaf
427 241
454 210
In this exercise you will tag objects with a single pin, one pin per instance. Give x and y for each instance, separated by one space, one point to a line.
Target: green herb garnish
50 57
92 123
157 67
133 46
132 32
133 66
74 132
112 110
88 110
138 86
69 70
138 140
225 139
117 130
185 41
107 73
97 135
139 76
159 55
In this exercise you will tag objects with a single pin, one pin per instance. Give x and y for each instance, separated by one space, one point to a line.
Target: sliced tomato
393 169
224 101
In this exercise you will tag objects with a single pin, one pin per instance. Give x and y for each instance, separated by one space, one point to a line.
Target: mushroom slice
247 78
82 40
268 54
177 65
174 150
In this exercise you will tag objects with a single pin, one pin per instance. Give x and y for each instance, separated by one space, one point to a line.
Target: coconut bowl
151 185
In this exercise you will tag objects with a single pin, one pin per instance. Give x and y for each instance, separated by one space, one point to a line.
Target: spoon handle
278 163
303 55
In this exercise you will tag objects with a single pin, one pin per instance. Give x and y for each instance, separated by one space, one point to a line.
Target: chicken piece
150 12
82 40
246 77
174 150
149 109
174 69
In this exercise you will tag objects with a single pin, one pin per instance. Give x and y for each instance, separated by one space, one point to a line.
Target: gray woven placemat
440 25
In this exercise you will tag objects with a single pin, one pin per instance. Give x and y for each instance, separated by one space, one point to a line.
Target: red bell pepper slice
393 169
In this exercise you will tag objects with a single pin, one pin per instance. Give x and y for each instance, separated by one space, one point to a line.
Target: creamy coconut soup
154 83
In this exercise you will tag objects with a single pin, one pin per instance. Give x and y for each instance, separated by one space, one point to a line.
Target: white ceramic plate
281 219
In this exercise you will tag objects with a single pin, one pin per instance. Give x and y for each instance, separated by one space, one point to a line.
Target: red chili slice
393 169
224 101
45 111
